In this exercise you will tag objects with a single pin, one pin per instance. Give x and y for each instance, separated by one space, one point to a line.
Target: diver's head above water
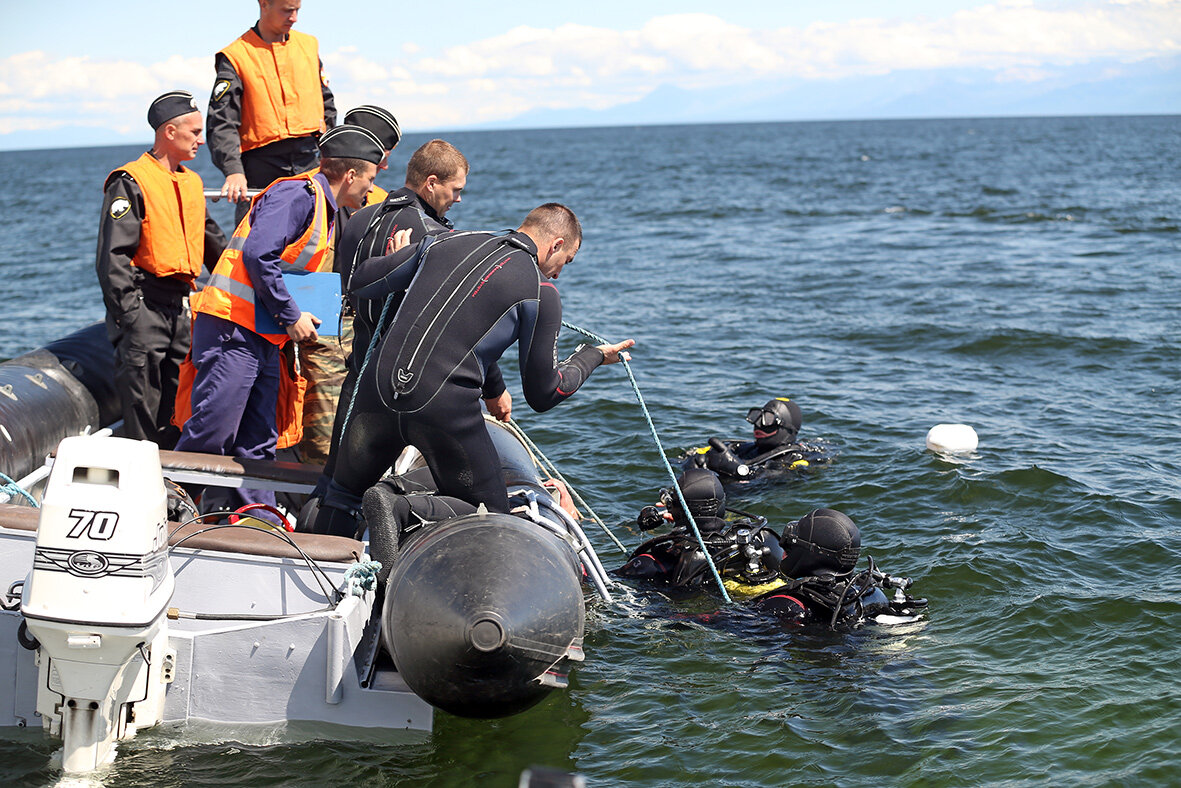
776 424
822 541
704 495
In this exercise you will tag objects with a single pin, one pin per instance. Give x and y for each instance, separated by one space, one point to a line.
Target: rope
660 450
552 469
362 577
13 489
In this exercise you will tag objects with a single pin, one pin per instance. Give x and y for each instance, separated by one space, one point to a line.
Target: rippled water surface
1017 275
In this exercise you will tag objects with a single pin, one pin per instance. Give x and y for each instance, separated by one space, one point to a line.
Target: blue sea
1018 275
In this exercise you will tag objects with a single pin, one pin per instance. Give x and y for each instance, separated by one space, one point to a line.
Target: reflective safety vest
172 233
288 410
229 294
282 93
376 196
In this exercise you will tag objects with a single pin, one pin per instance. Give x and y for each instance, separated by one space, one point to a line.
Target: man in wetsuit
246 314
469 296
153 240
270 102
436 176
323 360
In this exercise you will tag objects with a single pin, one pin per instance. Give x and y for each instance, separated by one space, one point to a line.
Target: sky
76 72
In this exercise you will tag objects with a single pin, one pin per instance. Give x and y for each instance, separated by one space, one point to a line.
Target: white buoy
952 438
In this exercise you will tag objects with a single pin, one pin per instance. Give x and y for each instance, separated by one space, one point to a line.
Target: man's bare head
558 235
437 172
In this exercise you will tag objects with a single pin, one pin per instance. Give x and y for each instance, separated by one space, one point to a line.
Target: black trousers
280 159
148 354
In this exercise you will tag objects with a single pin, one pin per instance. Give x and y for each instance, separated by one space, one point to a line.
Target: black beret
171 105
377 120
351 142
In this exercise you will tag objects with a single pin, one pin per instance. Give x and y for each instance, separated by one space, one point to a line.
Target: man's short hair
335 167
439 158
556 221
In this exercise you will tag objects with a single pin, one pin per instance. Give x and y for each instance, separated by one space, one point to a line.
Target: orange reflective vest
172 233
377 196
229 293
288 410
281 88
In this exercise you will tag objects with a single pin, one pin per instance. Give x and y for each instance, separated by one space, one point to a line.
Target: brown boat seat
275 470
246 540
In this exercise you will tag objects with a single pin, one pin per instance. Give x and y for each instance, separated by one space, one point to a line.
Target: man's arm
377 277
224 118
277 219
215 242
547 381
329 100
118 241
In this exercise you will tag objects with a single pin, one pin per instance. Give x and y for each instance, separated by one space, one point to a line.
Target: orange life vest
229 293
288 410
377 196
281 88
172 233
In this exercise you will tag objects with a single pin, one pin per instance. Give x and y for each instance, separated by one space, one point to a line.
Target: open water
1017 275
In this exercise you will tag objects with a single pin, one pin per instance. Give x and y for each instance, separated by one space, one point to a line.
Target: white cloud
577 66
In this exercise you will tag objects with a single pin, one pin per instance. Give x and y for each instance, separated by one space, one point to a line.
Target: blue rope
660 450
13 489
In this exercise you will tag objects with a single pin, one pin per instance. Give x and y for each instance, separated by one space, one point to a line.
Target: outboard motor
480 611
97 596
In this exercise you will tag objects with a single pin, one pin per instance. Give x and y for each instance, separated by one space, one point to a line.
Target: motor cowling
97 596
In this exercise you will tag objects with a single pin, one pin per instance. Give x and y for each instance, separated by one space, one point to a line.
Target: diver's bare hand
612 353
397 241
500 407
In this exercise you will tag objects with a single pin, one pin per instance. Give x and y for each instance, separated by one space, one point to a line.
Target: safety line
660 450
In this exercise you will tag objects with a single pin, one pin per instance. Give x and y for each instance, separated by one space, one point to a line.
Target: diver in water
806 576
774 448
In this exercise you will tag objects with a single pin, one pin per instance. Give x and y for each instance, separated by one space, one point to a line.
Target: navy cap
351 142
379 121
171 105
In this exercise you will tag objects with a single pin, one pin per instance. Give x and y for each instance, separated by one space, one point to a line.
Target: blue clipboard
317 292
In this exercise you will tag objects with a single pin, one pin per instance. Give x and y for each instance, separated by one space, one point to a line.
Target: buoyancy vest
229 293
281 88
172 233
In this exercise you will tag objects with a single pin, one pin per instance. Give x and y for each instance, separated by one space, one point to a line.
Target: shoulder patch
323 78
119 207
219 89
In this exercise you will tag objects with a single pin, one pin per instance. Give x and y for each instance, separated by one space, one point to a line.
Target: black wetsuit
725 459
676 560
468 297
146 318
363 237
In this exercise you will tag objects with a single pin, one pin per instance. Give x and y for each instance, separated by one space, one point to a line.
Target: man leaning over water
468 297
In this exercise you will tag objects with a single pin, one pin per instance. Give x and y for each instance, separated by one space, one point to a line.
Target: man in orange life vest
152 241
236 354
270 101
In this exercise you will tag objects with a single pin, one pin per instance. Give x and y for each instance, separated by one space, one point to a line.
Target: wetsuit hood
823 540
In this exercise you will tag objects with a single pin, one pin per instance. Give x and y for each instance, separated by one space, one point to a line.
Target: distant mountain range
1149 87
1146 87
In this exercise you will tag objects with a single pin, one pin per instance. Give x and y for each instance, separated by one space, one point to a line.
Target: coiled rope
660 450
13 489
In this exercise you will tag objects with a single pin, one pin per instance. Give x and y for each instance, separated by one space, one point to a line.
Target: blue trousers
235 393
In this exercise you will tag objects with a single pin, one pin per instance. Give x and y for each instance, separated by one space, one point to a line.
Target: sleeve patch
219 89
119 207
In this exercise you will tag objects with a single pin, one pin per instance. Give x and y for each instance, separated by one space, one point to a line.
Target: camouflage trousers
323 365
